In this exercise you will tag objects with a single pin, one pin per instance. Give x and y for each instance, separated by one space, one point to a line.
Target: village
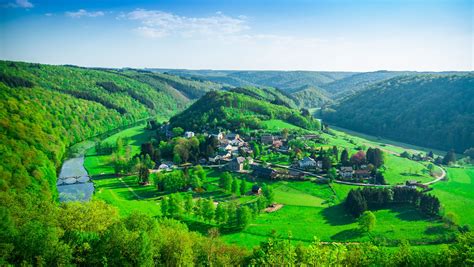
280 156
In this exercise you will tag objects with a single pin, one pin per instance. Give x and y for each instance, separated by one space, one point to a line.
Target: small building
307 162
232 136
262 172
189 134
236 164
267 139
219 136
346 172
257 190
362 174
277 144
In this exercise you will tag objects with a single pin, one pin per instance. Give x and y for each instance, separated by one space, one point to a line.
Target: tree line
370 198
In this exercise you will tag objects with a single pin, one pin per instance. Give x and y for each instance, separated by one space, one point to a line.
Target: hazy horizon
249 35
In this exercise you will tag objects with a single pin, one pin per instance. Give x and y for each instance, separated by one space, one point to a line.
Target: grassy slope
307 212
457 194
114 191
305 217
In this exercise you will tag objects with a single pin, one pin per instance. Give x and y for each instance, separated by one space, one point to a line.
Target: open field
310 210
395 146
277 125
457 193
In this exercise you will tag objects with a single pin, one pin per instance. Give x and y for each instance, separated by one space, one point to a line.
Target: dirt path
439 178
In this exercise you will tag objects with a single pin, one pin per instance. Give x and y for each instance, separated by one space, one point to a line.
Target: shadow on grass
198 226
407 213
336 215
437 230
347 234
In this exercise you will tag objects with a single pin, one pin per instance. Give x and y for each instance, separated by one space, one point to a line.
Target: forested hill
47 108
237 110
43 110
427 110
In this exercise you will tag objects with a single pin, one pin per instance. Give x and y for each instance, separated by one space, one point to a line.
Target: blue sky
259 35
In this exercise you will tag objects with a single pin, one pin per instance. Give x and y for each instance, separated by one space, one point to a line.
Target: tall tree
243 188
449 158
367 221
235 186
345 157
244 216
225 181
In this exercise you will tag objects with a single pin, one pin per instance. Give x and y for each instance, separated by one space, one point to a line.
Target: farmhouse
362 174
267 139
307 162
189 134
232 136
346 172
219 136
236 164
262 172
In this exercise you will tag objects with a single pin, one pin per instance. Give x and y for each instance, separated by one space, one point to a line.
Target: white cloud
84 13
156 23
20 3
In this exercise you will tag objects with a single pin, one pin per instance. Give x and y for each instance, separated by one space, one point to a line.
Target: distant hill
269 94
427 110
311 96
237 110
284 80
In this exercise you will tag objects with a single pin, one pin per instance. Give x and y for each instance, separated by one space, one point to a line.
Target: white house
346 172
189 134
307 162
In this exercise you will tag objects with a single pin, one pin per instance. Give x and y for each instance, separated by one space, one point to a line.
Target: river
73 181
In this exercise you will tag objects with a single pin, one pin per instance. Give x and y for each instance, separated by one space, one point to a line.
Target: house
262 172
411 183
277 144
346 172
219 136
267 139
163 167
188 134
307 162
362 174
232 136
257 190
236 164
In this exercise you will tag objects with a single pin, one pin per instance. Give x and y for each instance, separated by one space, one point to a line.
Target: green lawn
457 194
277 125
287 195
310 209
111 189
401 169
334 225
114 192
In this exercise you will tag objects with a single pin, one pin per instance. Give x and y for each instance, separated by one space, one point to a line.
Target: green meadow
457 193
310 210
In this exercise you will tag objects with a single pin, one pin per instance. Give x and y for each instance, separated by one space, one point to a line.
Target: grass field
278 125
457 193
125 194
310 210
